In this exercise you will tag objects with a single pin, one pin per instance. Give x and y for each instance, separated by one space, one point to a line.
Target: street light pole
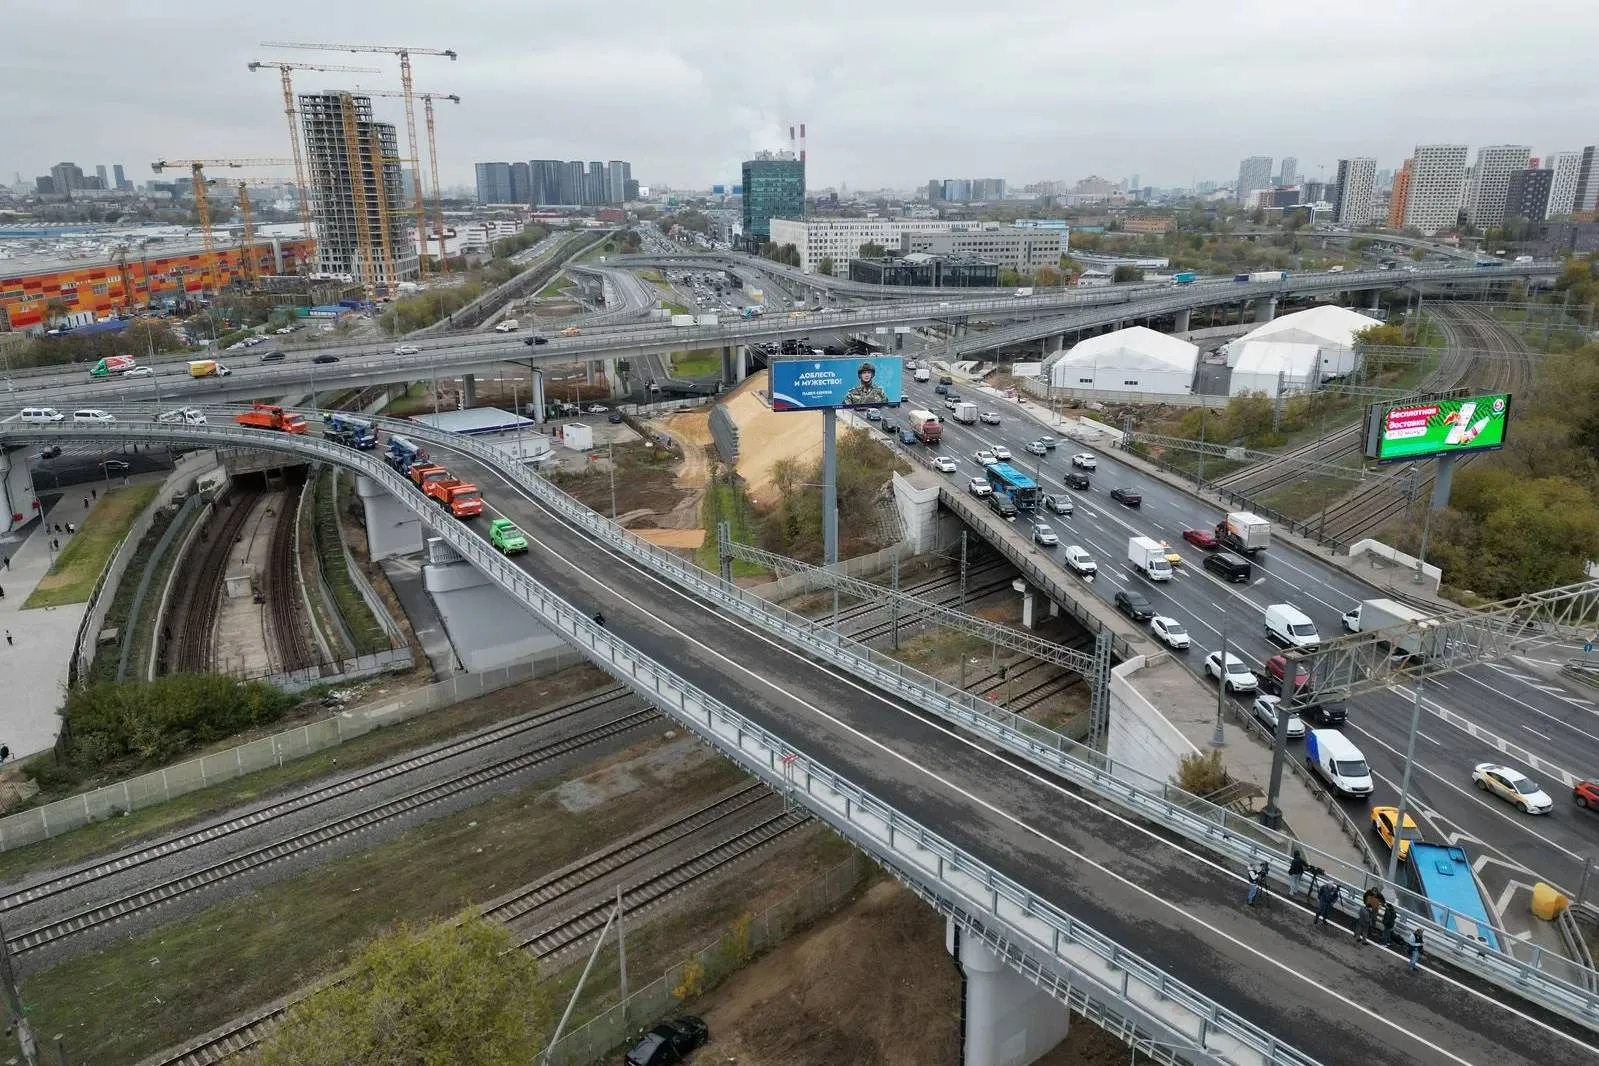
1404 785
1218 738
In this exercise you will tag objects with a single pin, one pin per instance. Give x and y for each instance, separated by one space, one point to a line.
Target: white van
1290 627
40 414
183 416
1338 761
93 414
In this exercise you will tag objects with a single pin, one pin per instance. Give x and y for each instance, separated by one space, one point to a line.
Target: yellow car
1172 558
1382 823
571 331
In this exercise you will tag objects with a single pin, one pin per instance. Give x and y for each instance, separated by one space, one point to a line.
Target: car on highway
114 466
1047 441
1383 820
1130 497
535 339
1135 605
989 418
873 414
1201 538
669 1043
1584 794
945 379
1076 481
1003 506
504 535
138 372
943 463
1085 461
985 458
571 331
325 358
615 418
284 331
1001 452
1266 708
93 414
907 437
941 389
52 452
1172 558
1036 447
1078 559
272 357
1277 672
1236 678
1044 535
1170 632
979 486
597 409
407 349
1058 503
887 426
1513 787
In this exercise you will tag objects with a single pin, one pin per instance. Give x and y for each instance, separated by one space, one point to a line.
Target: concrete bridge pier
468 390
391 527
1028 600
1009 1021
1266 309
613 378
535 398
592 371
728 369
743 363
1180 321
1376 300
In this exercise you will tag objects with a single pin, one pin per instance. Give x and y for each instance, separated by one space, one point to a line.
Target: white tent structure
1135 359
1301 350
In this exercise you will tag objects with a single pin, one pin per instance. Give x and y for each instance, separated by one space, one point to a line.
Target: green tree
825 266
457 993
871 250
1125 274
1047 277
1418 254
1376 337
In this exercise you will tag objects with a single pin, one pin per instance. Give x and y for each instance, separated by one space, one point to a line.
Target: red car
1201 538
1586 794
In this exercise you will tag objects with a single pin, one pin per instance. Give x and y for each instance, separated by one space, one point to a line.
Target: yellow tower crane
405 55
284 69
433 159
247 258
203 209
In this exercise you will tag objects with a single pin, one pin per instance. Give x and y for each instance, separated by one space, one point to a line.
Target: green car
504 535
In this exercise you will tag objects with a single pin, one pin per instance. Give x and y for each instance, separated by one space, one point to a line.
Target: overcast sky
893 91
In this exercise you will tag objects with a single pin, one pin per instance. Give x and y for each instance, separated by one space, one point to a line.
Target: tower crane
284 69
247 260
405 55
433 159
202 208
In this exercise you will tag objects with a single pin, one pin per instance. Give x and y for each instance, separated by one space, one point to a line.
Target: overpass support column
1029 598
592 370
1376 299
743 363
727 365
535 399
1180 321
613 377
1009 1022
1054 609
1266 309
468 390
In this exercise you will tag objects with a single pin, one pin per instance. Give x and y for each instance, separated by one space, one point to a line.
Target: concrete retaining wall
1140 736
724 431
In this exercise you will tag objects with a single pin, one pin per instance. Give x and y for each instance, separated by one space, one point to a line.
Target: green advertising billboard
1427 430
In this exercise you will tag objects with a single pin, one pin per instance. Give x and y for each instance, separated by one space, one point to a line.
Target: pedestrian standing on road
55 545
1390 916
94 494
1326 896
2 592
1415 946
1257 878
9 641
5 561
1296 870
86 503
1363 923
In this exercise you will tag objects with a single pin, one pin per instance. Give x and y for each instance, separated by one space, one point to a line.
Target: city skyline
640 83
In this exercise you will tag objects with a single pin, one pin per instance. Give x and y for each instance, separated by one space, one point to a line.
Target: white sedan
1237 676
1510 785
407 349
944 464
138 372
597 409
1169 632
1266 709
979 487
1037 448
1085 461
1001 452
1044 535
985 458
989 418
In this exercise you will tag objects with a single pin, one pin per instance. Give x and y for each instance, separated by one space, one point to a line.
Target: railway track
288 636
197 630
614 696
555 937
152 897
1375 503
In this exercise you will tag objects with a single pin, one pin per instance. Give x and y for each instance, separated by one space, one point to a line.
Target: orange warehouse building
107 288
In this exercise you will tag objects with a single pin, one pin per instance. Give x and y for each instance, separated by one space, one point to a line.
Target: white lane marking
1428 739
1435 683
1265 959
1543 765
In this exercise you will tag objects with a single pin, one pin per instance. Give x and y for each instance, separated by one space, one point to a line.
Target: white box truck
966 413
1269 275
510 325
1371 615
1244 531
1148 557
705 320
682 320
923 374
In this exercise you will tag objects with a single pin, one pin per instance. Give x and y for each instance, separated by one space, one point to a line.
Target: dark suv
668 1043
1074 480
1134 606
1001 505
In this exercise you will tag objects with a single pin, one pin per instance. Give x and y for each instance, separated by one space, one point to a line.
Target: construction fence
158 786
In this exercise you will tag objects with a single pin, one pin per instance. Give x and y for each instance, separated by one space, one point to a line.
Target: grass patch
675 308
86 553
104 667
414 401
1308 497
157 989
728 503
112 834
556 287
698 363
364 629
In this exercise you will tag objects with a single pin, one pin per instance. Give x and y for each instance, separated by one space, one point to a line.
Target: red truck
461 497
271 416
926 426
422 473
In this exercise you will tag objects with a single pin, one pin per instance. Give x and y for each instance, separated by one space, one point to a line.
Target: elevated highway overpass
1104 895
356 365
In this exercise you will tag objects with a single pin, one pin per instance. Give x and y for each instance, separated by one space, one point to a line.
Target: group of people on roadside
1376 913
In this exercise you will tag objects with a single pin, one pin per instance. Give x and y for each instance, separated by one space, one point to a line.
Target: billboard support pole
1443 481
829 487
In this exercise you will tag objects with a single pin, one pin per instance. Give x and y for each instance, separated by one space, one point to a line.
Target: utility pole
1404 786
1218 738
13 998
963 570
611 453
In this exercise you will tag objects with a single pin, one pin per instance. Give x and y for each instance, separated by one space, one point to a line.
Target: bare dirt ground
680 526
765 436
871 986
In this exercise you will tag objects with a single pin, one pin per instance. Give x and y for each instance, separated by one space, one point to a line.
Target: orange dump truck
271 416
461 497
422 473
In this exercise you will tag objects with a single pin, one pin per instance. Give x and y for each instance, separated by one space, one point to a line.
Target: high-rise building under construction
353 166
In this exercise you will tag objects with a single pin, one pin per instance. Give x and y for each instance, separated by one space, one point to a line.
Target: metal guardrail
1039 937
1218 830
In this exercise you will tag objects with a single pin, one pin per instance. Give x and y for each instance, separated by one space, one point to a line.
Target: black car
1074 480
887 426
272 357
907 437
325 358
1058 502
1001 505
1134 606
1323 712
670 1042
942 390
1127 496
946 380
